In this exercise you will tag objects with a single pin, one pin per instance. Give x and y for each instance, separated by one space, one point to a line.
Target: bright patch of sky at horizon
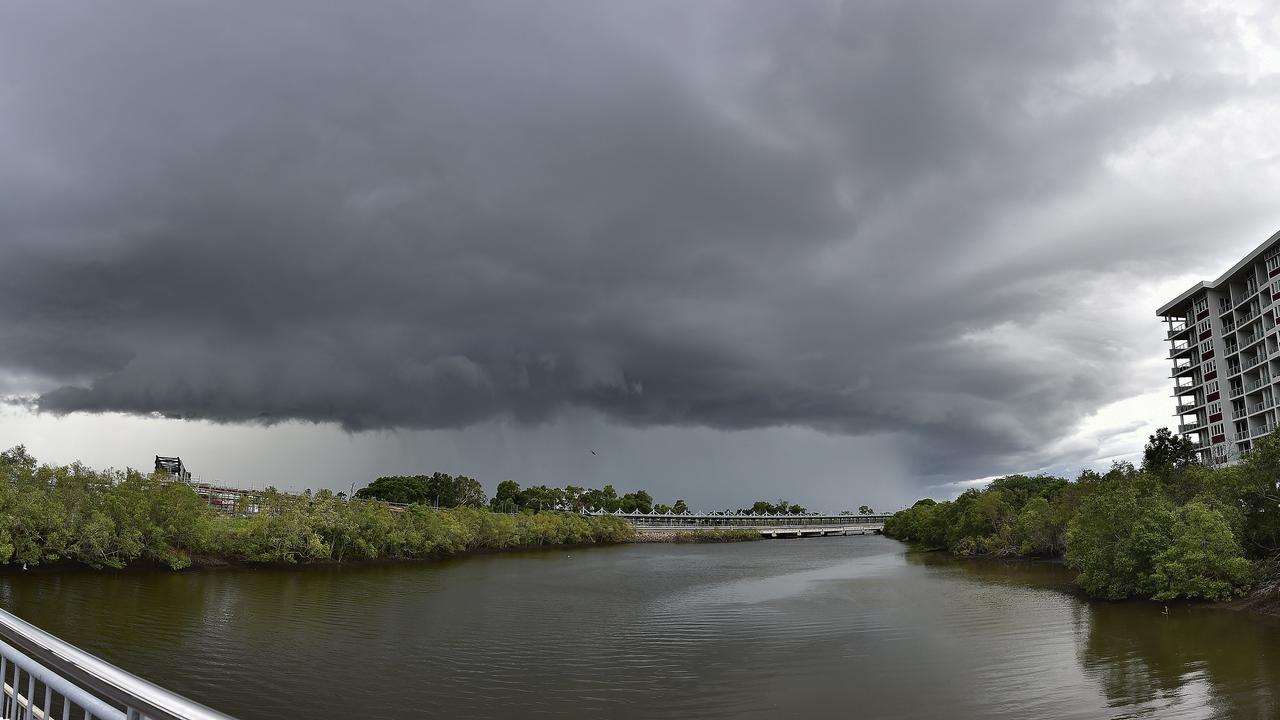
840 253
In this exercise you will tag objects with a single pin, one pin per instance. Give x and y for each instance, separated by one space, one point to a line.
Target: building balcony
1190 427
1187 409
1183 369
1260 430
1258 384
1180 350
1179 329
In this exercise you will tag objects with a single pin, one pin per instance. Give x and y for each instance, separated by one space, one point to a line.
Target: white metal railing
42 677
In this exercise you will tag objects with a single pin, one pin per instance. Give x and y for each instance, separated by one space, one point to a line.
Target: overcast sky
838 252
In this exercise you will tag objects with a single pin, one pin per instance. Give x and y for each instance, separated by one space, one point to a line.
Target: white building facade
1226 356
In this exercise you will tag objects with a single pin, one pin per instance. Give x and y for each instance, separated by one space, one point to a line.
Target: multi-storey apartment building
1226 356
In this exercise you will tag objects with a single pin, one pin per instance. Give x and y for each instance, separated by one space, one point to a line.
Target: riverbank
1262 598
717 535
1264 595
1172 530
55 515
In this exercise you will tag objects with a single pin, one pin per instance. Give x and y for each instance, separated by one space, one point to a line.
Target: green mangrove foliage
111 518
1172 529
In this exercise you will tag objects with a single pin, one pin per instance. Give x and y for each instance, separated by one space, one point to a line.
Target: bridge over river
783 525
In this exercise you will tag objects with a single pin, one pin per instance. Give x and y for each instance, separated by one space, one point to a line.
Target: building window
1210 365
1203 326
1217 429
1212 387
1206 347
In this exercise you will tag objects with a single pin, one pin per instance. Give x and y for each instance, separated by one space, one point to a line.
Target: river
847 626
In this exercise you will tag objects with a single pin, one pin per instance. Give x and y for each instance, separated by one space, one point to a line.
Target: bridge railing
42 677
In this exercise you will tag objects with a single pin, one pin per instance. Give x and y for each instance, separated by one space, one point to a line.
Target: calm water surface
832 626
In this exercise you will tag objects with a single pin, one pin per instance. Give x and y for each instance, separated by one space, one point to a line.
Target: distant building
1226 356
174 467
223 499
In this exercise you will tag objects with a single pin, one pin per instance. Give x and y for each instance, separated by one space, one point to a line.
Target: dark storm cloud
430 215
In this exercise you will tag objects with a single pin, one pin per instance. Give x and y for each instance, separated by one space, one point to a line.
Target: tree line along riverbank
445 490
57 514
1170 529
110 519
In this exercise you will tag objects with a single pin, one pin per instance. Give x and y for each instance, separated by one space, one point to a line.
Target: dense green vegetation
438 490
510 498
448 491
111 518
718 535
1172 529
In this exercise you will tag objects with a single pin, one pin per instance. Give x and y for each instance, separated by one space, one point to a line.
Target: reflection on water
832 626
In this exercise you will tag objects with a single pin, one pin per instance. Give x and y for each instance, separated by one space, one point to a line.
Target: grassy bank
718 535
110 519
1170 530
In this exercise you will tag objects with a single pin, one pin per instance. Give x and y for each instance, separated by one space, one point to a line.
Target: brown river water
828 627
